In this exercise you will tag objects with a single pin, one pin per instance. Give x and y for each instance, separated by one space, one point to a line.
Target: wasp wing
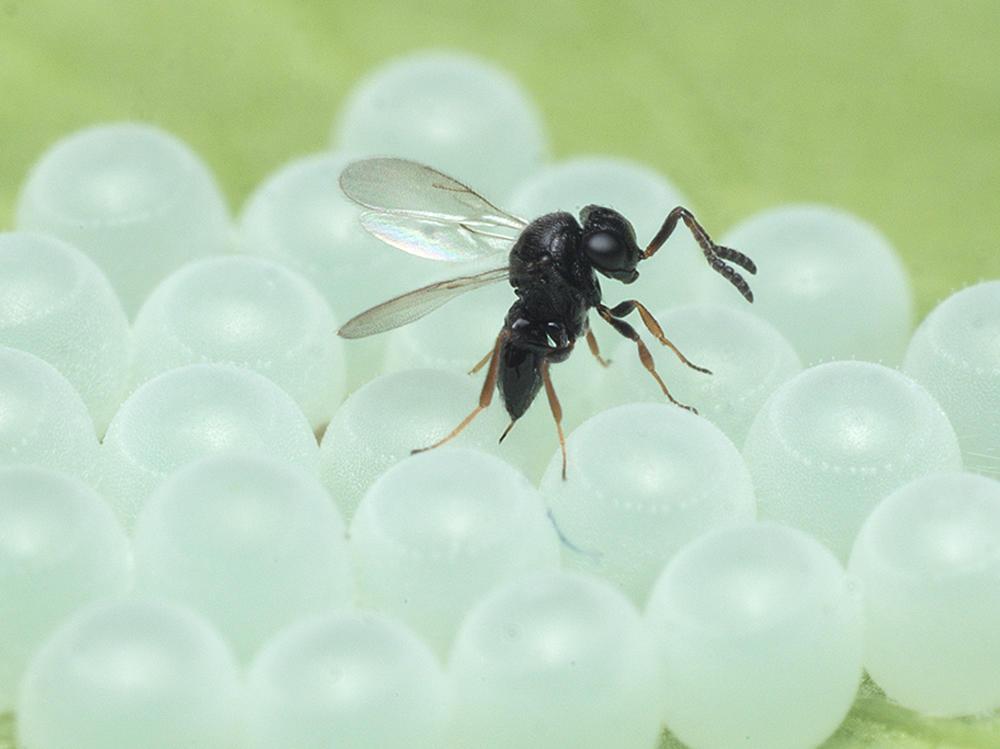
406 308
426 213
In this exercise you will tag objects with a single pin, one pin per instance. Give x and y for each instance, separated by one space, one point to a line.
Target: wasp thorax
609 243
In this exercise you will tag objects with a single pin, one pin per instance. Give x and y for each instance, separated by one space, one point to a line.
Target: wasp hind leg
485 395
554 404
644 356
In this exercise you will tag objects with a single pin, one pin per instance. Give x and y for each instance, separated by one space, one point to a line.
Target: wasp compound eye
605 250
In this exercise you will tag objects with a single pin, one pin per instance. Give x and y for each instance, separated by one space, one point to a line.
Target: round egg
832 441
188 413
759 637
134 672
250 312
57 304
928 557
135 198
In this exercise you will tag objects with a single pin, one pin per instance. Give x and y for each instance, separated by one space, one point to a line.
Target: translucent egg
248 541
461 334
130 673
829 281
837 438
455 338
760 640
641 481
435 533
346 679
42 419
554 661
246 311
300 217
454 112
929 560
133 197
57 304
60 547
382 422
747 356
677 274
188 413
955 354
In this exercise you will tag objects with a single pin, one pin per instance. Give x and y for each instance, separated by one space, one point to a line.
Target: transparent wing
426 213
404 309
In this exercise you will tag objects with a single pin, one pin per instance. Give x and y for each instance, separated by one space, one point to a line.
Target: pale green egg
832 441
352 679
747 356
929 560
554 659
641 481
187 413
250 312
249 541
43 421
57 304
61 547
133 197
955 354
454 112
381 423
829 281
436 532
759 638
131 673
301 218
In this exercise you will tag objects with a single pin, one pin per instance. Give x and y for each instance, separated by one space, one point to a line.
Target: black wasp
552 264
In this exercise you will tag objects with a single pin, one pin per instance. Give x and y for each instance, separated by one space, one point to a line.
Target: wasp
552 263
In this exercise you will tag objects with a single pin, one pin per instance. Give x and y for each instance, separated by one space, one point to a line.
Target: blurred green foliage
890 109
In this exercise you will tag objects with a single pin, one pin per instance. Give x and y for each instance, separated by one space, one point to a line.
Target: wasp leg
485 395
644 356
481 363
716 255
595 349
625 308
556 411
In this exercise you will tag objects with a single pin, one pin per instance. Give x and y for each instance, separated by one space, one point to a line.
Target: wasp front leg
625 308
644 356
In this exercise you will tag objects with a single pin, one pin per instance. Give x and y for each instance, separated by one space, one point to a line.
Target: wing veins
413 305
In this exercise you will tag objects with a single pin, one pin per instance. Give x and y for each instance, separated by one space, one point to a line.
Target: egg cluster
213 534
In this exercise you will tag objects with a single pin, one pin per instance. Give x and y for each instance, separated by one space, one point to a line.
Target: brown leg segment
485 396
595 349
556 411
481 363
644 356
625 308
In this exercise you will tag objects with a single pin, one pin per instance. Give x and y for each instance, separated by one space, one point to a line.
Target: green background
890 109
